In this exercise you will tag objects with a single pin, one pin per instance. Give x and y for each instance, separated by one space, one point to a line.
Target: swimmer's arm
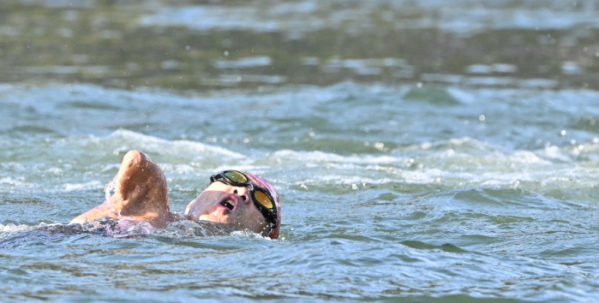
103 210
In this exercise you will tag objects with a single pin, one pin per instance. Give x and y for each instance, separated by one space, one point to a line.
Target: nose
242 192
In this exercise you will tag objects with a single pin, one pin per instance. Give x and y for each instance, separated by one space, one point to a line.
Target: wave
455 162
85 163
307 16
13 227
83 186
318 156
133 140
456 148
82 163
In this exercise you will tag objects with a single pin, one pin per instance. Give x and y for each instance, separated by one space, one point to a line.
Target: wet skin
227 204
141 194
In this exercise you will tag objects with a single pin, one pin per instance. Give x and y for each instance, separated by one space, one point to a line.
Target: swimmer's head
245 200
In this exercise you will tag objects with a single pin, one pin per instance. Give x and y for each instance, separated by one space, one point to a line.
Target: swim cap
271 190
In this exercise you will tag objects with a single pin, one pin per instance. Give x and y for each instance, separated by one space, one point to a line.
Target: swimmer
242 200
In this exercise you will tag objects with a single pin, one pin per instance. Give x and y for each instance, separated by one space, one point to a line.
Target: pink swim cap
271 190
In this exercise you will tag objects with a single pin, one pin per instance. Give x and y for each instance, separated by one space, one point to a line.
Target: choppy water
437 187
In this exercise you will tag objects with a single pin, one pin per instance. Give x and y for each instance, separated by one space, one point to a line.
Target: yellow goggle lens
263 199
236 177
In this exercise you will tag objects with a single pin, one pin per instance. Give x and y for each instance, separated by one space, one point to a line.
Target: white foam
246 62
248 234
554 153
13 227
457 161
82 186
132 140
54 170
10 181
527 157
318 156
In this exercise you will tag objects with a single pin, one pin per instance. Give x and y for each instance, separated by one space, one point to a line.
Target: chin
215 218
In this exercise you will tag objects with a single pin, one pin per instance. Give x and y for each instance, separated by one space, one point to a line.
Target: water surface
407 169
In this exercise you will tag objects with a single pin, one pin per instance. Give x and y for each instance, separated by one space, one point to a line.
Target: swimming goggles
262 199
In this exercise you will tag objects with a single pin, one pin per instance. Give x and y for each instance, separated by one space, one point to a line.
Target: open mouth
228 204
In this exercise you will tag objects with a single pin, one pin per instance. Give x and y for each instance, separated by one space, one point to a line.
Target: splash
109 189
198 228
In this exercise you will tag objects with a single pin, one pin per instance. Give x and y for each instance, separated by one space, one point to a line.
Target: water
421 176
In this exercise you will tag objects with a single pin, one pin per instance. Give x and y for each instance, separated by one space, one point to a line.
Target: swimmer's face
230 205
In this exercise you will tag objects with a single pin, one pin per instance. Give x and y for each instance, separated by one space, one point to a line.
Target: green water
424 152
